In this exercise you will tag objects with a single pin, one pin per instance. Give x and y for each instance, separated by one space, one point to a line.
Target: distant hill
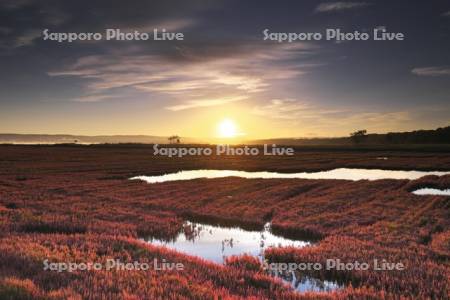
437 136
83 139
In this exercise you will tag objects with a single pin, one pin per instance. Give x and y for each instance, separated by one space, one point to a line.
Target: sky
223 69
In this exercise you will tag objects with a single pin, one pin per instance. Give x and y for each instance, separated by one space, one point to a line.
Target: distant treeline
437 136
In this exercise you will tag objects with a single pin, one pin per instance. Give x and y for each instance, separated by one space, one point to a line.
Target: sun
227 128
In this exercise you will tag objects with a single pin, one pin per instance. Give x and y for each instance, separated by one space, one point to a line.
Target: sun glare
227 129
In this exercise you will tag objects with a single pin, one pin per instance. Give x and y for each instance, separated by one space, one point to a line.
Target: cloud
53 16
281 109
205 103
312 118
339 6
73 16
92 98
27 38
292 109
14 4
154 73
13 41
431 71
184 78
178 24
378 118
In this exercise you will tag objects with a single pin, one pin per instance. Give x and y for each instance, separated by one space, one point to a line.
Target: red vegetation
244 262
76 204
440 245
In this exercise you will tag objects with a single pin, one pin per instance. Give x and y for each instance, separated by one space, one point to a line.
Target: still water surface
341 173
215 243
431 191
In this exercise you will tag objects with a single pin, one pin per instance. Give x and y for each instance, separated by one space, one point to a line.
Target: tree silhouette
358 136
174 139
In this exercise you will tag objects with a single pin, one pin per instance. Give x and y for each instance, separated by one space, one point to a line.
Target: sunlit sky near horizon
223 79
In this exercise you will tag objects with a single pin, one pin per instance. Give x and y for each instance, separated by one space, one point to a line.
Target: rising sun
227 129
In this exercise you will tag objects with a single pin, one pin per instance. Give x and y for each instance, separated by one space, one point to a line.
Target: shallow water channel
431 191
340 173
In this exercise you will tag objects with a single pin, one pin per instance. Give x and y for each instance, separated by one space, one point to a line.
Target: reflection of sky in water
430 191
341 173
214 243
307 284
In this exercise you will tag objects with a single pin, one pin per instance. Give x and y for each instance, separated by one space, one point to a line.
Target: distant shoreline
425 137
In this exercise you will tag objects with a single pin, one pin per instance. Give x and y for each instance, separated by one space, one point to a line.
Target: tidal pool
431 191
215 243
341 173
